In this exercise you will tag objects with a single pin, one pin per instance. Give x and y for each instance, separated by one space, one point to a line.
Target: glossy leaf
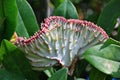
1 11
67 10
1 55
49 72
76 1
5 75
1 23
57 2
2 19
8 11
27 16
106 59
97 75
109 15
21 29
110 41
15 61
80 79
60 75
1 28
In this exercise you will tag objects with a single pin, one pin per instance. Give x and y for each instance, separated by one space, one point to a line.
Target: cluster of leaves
18 16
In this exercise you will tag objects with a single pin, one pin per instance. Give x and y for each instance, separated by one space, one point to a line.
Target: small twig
71 68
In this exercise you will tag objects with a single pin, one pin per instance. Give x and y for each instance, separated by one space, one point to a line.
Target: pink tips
60 20
52 19
88 24
75 21
19 39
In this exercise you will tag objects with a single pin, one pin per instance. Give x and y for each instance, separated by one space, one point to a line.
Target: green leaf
60 75
2 19
109 15
8 10
109 42
21 29
49 72
15 61
57 2
80 79
27 16
5 75
112 41
106 59
67 10
97 75
1 23
76 1
1 55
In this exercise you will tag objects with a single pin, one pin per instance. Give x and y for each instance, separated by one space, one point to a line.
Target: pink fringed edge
45 25
89 24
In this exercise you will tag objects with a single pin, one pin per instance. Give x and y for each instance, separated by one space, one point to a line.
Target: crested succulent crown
59 41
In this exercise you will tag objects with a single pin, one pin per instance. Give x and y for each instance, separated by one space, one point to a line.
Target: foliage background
18 16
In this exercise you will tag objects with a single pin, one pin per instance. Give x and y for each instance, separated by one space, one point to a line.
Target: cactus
60 41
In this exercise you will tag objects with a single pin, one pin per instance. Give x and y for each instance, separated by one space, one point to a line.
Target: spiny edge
44 28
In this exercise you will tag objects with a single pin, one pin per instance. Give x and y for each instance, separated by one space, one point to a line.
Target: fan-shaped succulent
59 41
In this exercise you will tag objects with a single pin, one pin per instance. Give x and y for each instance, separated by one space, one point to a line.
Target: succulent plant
60 41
